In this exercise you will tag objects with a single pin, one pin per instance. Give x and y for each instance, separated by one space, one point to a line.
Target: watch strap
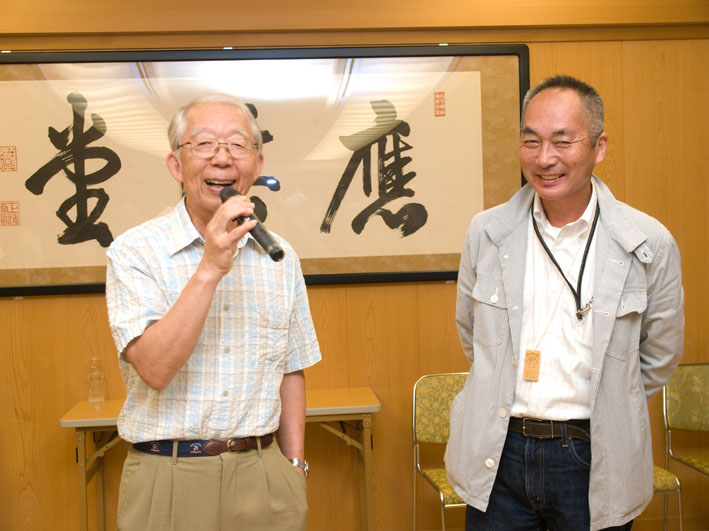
300 463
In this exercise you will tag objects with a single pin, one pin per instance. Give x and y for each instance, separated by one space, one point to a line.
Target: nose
546 156
222 156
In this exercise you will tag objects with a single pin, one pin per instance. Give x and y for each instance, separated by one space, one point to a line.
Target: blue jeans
541 484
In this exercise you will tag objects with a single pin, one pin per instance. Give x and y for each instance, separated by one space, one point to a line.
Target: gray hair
178 124
592 101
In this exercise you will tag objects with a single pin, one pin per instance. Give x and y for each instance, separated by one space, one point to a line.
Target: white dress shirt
549 322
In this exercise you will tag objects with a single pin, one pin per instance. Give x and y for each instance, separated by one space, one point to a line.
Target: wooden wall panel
667 179
47 343
346 37
383 340
135 16
328 305
667 113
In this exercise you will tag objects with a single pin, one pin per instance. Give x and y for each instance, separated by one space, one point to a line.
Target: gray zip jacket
638 334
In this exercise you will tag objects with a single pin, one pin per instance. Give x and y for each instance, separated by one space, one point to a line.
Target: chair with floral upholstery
665 482
433 395
686 407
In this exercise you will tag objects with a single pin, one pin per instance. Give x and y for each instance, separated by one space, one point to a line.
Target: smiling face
557 154
203 179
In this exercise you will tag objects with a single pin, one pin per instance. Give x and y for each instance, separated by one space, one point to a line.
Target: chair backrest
433 395
687 398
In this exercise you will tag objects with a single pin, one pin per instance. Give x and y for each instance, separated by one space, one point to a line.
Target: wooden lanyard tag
532 359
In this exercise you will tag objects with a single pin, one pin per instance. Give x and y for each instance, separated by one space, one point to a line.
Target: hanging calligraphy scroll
376 159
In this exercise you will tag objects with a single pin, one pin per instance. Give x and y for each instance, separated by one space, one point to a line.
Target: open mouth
551 177
223 184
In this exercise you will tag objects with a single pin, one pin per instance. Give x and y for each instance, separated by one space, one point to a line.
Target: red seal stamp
8 158
439 103
9 213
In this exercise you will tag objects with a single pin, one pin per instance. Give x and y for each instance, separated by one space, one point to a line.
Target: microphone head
276 253
227 192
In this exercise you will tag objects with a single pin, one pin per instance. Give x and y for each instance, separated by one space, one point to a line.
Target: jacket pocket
490 320
625 339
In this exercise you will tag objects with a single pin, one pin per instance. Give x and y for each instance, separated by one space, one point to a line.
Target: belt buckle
524 429
228 446
524 426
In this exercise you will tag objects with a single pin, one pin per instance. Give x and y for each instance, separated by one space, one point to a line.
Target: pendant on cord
583 311
580 312
532 359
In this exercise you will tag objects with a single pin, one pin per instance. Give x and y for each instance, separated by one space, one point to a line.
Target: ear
259 165
257 171
601 145
175 166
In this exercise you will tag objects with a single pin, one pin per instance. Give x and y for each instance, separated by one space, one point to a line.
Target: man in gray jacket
570 310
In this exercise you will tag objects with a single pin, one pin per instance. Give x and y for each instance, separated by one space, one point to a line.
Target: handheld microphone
259 232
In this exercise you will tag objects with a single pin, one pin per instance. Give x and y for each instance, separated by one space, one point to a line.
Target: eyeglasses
206 148
556 146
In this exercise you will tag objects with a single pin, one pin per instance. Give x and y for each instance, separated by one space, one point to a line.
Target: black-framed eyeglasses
206 148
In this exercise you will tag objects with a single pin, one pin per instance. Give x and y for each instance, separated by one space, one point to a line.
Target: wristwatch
301 463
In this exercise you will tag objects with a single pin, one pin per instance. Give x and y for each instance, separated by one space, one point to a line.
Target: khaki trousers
257 490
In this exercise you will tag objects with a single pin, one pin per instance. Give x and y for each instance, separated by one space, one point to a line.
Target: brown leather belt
548 429
202 447
214 447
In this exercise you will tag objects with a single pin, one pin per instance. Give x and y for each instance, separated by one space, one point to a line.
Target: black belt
203 447
548 429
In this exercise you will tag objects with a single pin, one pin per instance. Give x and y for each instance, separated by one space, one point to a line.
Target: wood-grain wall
650 61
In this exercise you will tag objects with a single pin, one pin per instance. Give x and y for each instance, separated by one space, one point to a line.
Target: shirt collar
583 223
183 233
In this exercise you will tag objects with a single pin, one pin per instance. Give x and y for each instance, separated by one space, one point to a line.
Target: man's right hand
223 233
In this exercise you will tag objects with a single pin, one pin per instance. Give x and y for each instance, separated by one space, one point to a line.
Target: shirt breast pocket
490 321
625 339
270 333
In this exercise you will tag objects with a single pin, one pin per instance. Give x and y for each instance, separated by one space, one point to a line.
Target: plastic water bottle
95 381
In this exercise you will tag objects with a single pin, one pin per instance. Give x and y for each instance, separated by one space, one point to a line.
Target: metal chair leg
443 516
664 516
679 497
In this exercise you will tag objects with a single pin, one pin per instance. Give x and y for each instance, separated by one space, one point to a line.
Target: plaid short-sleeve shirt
258 328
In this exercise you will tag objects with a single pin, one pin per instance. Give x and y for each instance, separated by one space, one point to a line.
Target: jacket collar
619 226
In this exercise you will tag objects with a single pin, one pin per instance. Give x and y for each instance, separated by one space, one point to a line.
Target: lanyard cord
580 312
537 342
